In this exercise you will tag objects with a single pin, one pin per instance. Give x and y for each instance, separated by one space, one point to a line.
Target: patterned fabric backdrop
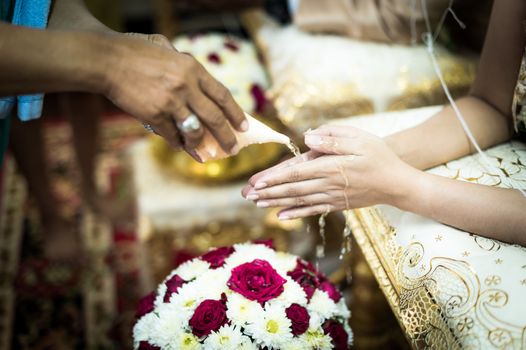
59 306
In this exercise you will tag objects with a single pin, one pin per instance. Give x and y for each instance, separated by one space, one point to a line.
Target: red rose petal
214 58
144 345
172 285
216 257
145 305
231 45
259 96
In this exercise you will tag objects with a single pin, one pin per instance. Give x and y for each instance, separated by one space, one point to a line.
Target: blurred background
137 209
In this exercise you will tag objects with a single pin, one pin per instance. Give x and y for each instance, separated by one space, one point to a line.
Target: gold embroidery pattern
302 104
443 298
458 74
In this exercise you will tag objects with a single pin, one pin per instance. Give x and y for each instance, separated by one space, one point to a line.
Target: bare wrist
409 188
105 59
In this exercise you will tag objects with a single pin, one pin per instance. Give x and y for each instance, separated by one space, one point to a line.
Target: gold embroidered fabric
519 100
449 289
318 78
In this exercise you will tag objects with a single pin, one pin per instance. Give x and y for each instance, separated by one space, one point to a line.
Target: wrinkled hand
162 87
346 168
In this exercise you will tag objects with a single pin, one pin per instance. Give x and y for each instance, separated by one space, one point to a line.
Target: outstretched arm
154 83
488 108
37 60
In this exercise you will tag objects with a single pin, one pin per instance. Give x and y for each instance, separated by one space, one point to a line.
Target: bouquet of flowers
247 296
234 62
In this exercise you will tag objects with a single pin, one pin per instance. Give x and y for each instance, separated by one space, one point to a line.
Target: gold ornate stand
372 321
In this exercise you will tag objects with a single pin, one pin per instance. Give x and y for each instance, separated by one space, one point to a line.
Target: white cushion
316 77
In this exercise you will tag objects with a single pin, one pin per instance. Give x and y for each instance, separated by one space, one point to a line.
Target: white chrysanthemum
322 304
349 332
272 329
317 339
187 341
296 343
187 299
225 338
292 294
159 298
213 283
285 262
168 327
315 320
192 269
247 344
249 252
342 310
144 328
242 311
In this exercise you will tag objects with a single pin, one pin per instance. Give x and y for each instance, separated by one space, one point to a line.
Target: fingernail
262 204
283 217
252 197
196 156
244 125
234 150
260 185
313 140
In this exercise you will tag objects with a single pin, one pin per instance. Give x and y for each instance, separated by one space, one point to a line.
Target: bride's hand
357 169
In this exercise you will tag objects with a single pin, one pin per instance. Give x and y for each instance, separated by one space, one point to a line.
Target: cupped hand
159 86
346 168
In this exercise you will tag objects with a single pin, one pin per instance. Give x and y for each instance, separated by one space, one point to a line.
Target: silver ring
148 127
190 124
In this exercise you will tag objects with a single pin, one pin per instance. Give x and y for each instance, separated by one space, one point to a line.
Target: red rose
216 258
299 317
144 345
256 280
259 96
331 290
306 276
340 338
214 58
145 305
269 243
172 285
209 316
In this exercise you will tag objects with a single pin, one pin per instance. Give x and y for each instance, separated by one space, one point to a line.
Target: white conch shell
257 132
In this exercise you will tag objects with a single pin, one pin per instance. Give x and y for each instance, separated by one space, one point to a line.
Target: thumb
160 40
